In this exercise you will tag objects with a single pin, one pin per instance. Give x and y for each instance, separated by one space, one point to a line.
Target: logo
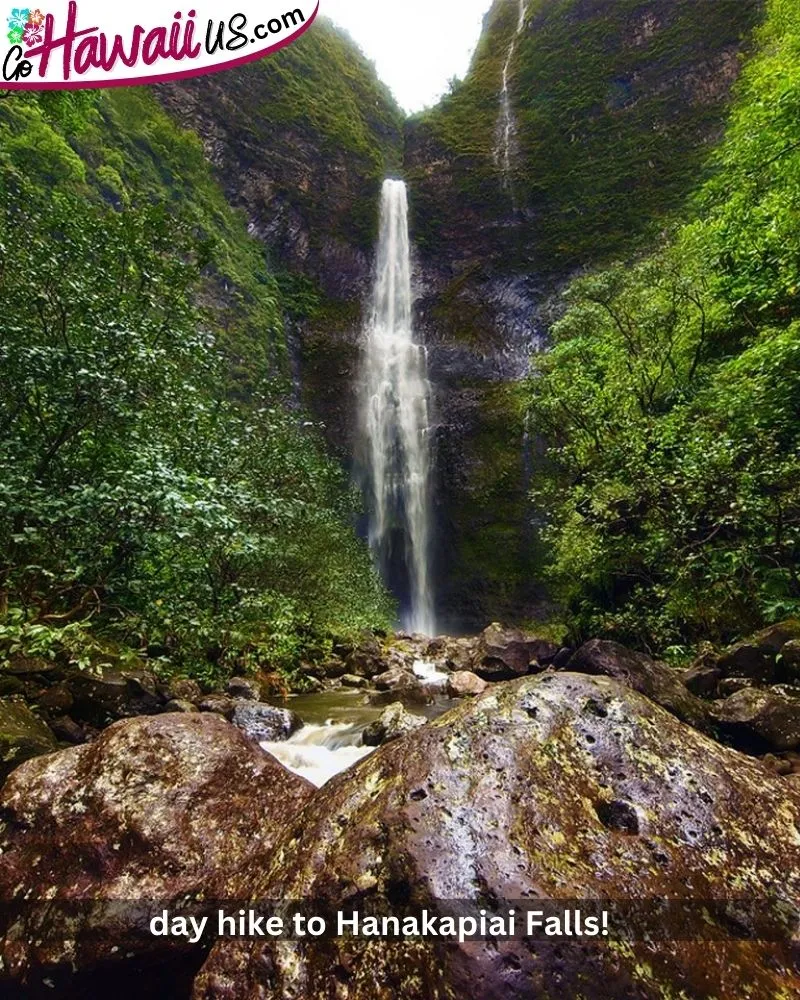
93 44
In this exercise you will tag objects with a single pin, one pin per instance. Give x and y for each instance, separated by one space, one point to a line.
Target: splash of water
317 753
506 126
396 417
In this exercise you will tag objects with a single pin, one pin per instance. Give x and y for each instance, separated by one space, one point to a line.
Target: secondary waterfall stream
506 125
395 422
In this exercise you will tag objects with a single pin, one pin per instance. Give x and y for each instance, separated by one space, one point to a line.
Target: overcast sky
416 45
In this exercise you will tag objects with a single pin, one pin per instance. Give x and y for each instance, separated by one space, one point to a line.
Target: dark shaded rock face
656 680
503 653
558 786
754 716
157 809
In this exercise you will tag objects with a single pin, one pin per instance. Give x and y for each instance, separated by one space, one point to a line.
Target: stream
330 739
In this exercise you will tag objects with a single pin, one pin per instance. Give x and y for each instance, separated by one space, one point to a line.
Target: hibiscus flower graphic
15 36
17 19
36 17
33 34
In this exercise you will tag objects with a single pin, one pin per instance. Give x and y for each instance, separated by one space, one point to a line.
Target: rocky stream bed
485 770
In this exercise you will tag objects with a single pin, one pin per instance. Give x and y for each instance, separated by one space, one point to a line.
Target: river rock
114 695
353 681
559 786
656 680
459 654
67 730
756 715
503 653
393 723
396 679
22 735
366 659
790 660
155 811
56 700
265 723
756 656
179 705
244 687
464 683
220 704
184 689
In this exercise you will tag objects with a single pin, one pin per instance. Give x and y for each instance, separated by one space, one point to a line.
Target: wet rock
756 656
558 786
790 660
503 653
114 695
22 735
702 680
220 704
459 654
184 689
730 685
10 686
464 683
366 659
352 681
334 669
755 715
156 813
244 687
56 700
393 723
656 680
562 657
24 665
396 679
265 723
67 730
180 705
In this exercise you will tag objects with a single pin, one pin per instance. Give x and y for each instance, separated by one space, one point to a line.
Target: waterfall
505 124
395 415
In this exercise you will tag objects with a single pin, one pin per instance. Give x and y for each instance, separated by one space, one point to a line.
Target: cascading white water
506 125
396 415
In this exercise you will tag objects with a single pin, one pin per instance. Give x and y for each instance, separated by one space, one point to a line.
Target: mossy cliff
615 105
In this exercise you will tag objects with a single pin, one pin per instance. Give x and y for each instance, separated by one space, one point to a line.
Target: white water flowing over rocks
396 415
317 753
506 125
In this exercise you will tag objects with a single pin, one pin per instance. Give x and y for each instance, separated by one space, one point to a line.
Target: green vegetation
671 398
155 489
614 104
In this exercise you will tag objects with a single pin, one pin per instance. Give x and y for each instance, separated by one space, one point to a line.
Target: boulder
396 679
56 700
67 730
265 723
334 669
244 687
503 653
704 674
790 660
366 659
114 695
459 654
754 715
756 656
393 723
22 735
158 812
730 685
353 681
220 704
556 787
184 689
656 680
464 683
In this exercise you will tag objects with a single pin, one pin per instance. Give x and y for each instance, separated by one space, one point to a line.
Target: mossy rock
22 736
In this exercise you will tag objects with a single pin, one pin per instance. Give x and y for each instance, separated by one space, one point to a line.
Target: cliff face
613 106
301 142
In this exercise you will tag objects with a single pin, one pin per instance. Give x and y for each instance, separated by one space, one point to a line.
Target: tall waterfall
505 124
395 420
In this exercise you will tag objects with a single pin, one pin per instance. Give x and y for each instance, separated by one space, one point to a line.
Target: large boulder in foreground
157 810
558 786
655 680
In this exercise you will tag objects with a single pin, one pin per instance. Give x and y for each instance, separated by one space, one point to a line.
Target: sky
417 45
